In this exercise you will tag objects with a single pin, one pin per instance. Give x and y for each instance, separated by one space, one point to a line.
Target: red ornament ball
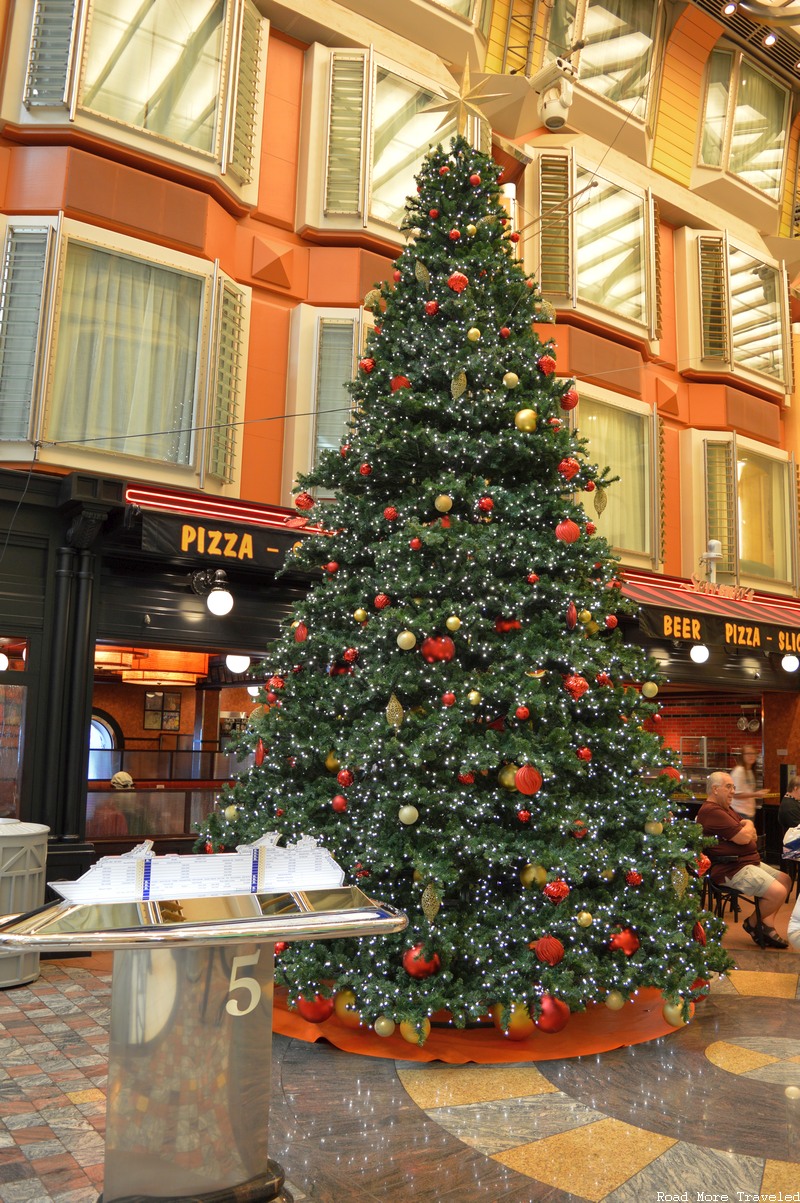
382 601
458 282
398 382
300 633
589 486
603 679
331 567
390 513
532 578
431 307
576 686
486 505
433 214
396 275
339 803
522 713
208 847
437 648
466 778
475 180
625 941
345 777
546 365
454 235
584 754
555 423
366 365
314 1010
569 399
556 890
568 531
590 528
633 878
350 655
504 625
415 544
504 331
418 966
278 682
549 950
528 780
579 829
343 450
279 946
554 1014
611 621
366 469
448 699
513 237
524 816
703 863
444 170
304 501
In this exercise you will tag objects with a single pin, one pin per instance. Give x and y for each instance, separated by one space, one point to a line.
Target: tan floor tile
459 1085
85 1096
780 1176
594 1159
735 1059
764 985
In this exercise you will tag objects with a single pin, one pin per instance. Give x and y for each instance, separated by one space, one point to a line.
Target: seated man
747 873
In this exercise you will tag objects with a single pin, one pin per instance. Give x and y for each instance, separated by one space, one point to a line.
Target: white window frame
720 181
234 159
706 339
323 66
650 558
215 458
551 250
696 526
299 447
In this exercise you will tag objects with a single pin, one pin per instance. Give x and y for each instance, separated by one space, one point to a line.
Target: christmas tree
453 711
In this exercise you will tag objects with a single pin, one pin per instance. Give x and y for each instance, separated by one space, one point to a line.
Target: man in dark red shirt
747 873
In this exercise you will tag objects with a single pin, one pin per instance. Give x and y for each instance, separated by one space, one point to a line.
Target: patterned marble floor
714 1108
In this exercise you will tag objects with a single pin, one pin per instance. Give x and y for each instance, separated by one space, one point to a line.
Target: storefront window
12 744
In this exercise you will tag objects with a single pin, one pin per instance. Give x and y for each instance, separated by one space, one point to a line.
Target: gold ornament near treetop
458 385
430 902
394 711
422 274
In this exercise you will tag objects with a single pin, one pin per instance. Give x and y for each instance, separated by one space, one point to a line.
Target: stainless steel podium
191 1030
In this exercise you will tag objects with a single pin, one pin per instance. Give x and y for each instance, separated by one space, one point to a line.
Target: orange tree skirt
595 1030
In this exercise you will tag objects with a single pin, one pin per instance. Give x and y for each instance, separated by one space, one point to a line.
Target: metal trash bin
23 855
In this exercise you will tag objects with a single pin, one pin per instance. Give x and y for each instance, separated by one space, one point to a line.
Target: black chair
717 899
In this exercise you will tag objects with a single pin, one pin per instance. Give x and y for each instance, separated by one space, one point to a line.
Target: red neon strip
674 584
193 505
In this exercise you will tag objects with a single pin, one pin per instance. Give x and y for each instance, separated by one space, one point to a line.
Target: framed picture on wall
162 711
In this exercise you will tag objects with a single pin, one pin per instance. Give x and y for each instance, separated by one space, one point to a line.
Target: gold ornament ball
472 230
673 1013
520 1024
473 334
507 774
653 827
332 762
592 627
360 615
231 812
649 689
607 875
615 1000
474 698
585 919
443 503
453 622
532 875
406 640
384 1026
511 380
526 419
408 814
585 616
344 1004
409 1031
417 875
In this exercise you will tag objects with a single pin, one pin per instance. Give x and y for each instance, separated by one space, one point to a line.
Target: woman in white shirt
744 778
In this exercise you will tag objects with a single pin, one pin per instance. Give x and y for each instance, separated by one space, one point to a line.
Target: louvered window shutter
228 384
336 348
49 54
555 273
346 134
657 270
245 102
721 501
21 291
714 311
